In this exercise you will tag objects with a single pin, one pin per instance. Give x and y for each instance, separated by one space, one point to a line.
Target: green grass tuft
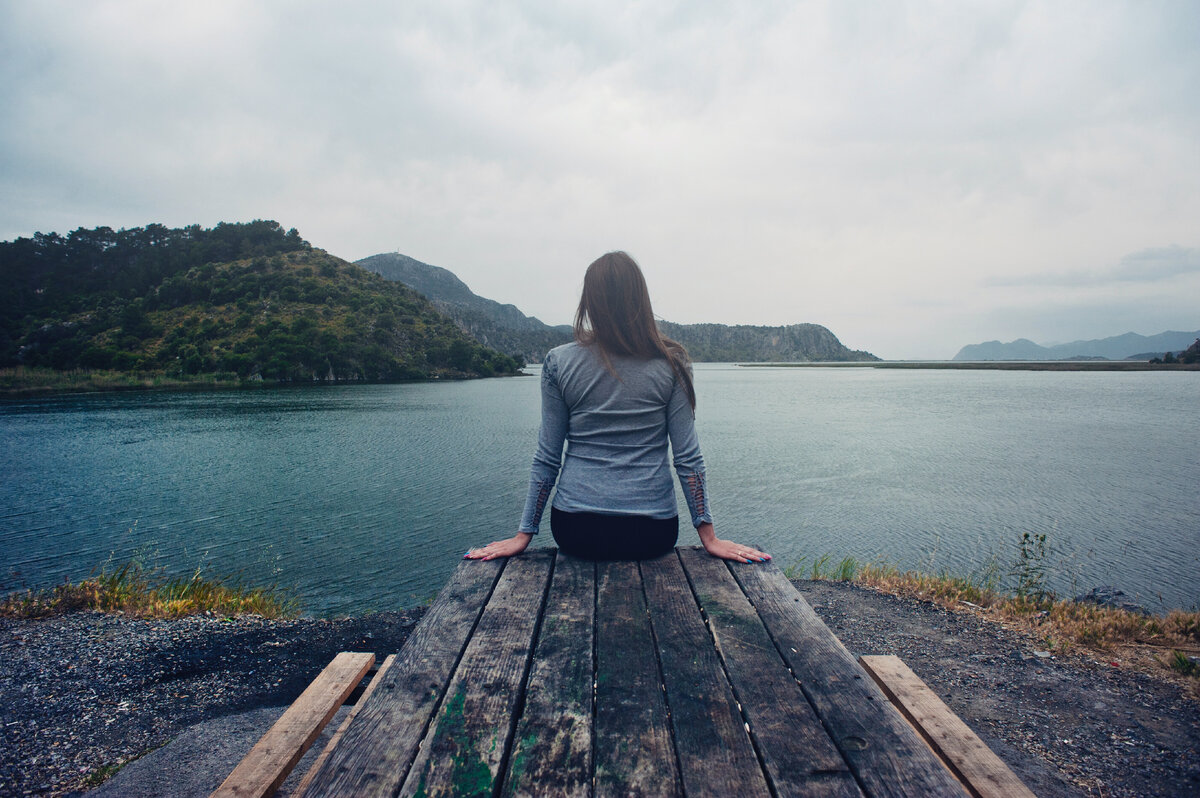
1183 664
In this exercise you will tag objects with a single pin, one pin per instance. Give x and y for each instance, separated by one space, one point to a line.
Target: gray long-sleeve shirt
616 428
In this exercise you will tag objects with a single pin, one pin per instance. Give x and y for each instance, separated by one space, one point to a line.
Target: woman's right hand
501 548
727 549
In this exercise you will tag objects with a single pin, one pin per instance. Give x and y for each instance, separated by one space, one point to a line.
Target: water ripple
366 496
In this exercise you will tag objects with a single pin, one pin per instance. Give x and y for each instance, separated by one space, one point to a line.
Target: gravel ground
87 692
1068 726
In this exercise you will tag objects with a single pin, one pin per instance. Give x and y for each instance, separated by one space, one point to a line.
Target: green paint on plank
520 759
469 775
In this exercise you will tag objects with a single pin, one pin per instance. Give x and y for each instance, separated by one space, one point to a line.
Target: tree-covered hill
237 300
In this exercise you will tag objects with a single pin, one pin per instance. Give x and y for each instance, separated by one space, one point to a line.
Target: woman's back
617 419
616 398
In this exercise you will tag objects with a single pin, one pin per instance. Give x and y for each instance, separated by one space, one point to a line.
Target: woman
616 395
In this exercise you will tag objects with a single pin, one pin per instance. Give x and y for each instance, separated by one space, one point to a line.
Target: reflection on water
364 497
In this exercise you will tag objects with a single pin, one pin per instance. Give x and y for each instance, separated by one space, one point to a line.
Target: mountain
237 301
1118 347
721 343
502 327
507 328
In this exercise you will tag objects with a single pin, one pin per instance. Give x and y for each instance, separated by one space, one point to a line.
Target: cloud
861 165
1145 266
1161 263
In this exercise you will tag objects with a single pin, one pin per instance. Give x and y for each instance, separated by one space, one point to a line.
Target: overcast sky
915 176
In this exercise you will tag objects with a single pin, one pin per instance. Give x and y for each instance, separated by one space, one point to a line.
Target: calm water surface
365 497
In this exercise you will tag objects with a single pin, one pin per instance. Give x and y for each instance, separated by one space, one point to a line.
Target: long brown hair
614 313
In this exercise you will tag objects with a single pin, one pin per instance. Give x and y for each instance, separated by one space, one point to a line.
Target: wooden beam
465 751
377 750
984 774
716 756
336 737
552 750
798 755
272 758
633 752
886 755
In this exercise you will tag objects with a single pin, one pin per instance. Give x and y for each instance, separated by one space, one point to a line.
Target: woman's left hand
727 549
501 548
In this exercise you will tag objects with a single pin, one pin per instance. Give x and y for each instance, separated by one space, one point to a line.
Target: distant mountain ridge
502 327
506 328
1118 347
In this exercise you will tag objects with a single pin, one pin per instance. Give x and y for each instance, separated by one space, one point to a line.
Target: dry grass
136 591
1154 643
945 589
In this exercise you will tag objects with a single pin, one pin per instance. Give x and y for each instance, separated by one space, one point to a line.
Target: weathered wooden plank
886 755
272 758
465 750
552 750
982 772
632 744
798 755
336 737
716 756
378 747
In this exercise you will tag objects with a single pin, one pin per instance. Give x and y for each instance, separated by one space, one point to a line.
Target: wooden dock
686 675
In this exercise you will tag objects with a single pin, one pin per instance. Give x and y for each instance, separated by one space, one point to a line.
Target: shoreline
90 692
122 382
47 384
995 365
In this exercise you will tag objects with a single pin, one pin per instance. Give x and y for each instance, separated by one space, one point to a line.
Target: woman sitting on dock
616 395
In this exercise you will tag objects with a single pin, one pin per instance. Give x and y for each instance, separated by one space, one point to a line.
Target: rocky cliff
506 328
746 343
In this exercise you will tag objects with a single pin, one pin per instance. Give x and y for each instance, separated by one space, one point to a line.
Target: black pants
593 536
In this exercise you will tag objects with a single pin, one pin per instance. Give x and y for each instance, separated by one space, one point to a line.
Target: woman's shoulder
562 354
565 357
564 350
576 355
573 352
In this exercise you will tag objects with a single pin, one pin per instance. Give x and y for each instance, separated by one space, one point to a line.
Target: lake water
365 497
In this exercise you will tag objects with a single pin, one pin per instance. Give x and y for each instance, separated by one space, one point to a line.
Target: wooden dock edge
272 758
302 788
966 756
